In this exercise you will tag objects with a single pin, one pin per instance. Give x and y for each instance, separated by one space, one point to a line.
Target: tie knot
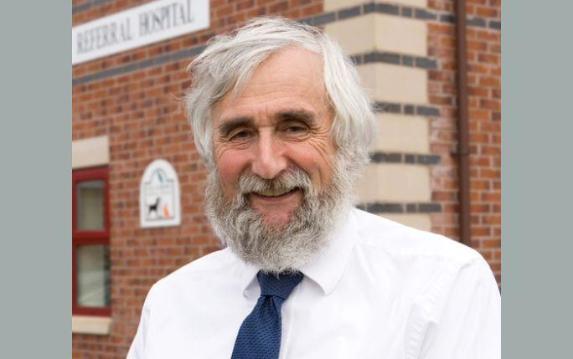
280 285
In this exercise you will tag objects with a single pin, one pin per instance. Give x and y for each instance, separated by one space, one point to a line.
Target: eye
240 135
294 128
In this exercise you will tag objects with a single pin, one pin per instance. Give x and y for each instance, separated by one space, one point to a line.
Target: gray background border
35 134
537 178
35 196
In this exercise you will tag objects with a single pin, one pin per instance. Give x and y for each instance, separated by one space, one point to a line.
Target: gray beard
286 248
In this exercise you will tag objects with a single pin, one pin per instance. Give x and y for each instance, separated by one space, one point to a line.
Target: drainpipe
463 131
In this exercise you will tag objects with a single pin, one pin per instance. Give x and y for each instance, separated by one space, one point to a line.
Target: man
284 127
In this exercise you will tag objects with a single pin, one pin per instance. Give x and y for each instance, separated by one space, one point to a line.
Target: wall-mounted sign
138 26
159 200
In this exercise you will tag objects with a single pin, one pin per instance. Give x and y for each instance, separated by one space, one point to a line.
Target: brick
478 91
490 104
311 10
278 7
242 5
477 45
477 231
485 88
487 11
495 243
488 58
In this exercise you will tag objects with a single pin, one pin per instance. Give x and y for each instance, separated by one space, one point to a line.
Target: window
90 247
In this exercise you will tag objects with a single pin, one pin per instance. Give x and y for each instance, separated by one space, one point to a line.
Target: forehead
290 79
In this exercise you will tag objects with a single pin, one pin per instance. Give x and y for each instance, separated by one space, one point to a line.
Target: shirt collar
326 268
247 274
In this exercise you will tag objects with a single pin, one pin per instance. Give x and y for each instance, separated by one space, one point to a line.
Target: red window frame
88 237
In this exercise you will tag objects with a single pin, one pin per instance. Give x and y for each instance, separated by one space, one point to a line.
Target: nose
269 160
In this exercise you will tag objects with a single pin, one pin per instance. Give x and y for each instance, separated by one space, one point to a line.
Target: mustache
294 178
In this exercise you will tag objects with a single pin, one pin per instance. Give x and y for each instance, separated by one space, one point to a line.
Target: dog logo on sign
159 195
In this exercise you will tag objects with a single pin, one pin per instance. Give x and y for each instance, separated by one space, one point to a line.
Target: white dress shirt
379 290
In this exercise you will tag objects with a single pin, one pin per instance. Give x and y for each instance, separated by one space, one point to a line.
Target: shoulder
196 276
411 256
206 265
397 240
424 265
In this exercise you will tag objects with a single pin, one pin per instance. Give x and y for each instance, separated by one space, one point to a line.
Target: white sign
142 25
159 200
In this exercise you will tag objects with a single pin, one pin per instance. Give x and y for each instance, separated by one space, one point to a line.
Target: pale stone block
415 220
399 34
330 5
380 32
355 35
390 182
90 152
402 133
91 325
391 83
415 3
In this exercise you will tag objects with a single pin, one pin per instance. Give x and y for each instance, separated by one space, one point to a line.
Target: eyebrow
299 115
287 115
229 125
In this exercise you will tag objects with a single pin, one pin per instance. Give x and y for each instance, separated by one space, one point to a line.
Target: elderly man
284 127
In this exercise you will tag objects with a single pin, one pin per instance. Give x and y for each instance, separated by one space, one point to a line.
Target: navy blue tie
260 334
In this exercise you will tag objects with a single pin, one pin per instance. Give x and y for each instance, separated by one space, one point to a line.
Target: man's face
278 123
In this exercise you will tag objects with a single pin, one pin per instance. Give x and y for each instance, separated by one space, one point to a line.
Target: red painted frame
83 237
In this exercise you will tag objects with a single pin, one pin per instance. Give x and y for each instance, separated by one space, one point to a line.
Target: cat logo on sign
159 201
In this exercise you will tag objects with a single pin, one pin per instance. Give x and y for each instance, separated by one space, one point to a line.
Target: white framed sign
142 25
159 199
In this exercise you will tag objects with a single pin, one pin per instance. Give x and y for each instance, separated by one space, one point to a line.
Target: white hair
229 60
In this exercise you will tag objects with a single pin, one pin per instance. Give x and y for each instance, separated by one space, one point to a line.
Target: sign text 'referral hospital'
156 21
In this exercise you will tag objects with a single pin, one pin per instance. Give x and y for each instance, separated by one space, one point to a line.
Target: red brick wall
143 114
484 88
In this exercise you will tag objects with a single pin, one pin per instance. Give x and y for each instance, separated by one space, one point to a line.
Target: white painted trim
159 183
136 27
90 152
91 325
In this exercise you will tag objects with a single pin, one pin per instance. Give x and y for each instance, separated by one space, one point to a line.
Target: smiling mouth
274 194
